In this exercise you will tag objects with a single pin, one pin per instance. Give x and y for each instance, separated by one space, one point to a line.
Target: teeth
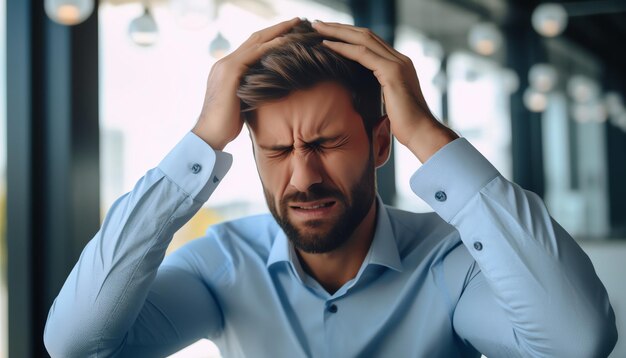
314 207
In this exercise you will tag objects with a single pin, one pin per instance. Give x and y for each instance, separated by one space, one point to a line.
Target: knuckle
219 64
362 49
366 35
255 37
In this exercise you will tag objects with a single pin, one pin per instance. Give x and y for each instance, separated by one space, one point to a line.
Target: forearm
546 285
538 275
108 286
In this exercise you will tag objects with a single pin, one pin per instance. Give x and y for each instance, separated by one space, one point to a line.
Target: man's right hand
221 120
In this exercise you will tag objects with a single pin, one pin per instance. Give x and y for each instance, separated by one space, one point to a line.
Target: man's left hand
411 121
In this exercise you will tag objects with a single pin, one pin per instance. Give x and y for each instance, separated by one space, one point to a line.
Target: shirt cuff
195 167
451 177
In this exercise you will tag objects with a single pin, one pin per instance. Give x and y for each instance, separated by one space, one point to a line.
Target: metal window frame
52 162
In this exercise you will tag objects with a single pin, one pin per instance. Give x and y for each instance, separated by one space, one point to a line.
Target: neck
333 269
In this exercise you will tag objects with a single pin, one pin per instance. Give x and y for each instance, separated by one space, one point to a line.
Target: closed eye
317 146
279 152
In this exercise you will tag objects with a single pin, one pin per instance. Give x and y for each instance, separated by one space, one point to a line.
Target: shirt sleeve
537 293
113 303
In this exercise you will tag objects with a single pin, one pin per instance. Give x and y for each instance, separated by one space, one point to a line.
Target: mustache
315 192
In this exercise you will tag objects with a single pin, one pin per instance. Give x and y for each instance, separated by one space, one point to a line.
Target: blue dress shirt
489 271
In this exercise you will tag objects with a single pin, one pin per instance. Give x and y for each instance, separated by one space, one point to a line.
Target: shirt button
478 246
332 308
440 196
196 168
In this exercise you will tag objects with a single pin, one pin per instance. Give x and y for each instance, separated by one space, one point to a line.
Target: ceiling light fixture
485 38
534 100
143 30
193 14
510 80
68 12
550 19
582 89
219 47
542 77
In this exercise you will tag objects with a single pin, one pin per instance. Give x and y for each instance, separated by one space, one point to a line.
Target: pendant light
68 12
143 30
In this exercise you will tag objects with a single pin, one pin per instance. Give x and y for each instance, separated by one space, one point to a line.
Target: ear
381 141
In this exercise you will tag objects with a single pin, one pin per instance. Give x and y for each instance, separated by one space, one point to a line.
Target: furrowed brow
315 141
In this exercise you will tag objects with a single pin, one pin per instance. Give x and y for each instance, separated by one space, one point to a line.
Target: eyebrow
318 141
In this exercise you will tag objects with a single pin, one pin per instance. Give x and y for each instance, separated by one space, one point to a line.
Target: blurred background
95 93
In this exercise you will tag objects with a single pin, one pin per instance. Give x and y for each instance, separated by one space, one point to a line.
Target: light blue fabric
488 272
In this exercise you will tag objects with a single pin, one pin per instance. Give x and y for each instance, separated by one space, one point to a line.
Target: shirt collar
383 250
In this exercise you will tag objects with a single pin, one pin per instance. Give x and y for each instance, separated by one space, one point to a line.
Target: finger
359 53
345 26
255 51
363 30
352 35
271 32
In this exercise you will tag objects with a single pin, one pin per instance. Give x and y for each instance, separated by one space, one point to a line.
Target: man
332 272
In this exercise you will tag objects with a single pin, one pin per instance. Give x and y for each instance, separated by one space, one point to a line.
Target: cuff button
440 196
196 168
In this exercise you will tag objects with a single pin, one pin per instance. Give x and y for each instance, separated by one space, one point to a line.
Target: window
426 57
152 96
479 107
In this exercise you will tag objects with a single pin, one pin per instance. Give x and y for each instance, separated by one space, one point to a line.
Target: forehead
325 107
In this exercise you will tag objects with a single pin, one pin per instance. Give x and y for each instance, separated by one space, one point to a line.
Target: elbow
56 344
595 339
603 334
595 336
602 341
61 342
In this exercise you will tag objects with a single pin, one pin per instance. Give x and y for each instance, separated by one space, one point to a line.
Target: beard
321 236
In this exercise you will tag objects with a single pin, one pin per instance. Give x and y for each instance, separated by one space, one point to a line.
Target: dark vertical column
52 159
523 49
445 111
380 17
616 164
19 178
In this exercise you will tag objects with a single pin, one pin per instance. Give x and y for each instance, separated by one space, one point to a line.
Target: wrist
428 138
203 133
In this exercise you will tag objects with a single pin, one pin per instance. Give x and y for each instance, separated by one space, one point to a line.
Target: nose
305 172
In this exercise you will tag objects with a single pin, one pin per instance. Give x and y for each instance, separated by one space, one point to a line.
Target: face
316 164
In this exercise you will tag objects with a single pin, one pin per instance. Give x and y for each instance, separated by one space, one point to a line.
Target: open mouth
313 205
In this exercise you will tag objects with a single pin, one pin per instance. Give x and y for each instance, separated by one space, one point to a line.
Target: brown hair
301 62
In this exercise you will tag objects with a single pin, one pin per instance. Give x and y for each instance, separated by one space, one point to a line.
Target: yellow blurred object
194 228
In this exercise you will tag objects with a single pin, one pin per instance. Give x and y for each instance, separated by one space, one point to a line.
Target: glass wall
152 95
479 107
426 55
3 189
